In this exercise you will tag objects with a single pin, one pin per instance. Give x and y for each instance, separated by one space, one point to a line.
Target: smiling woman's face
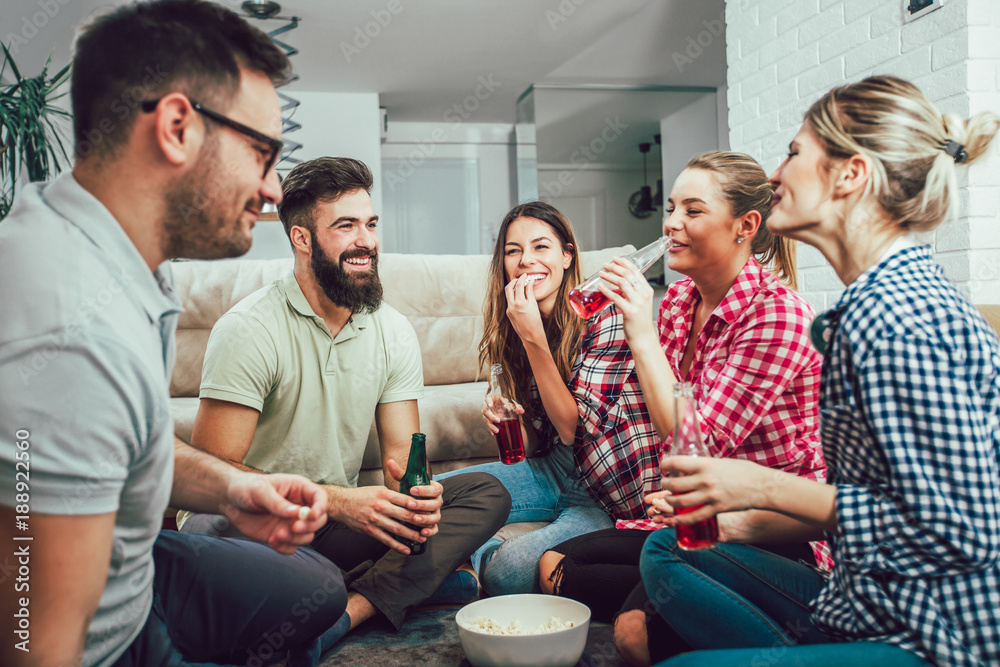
701 225
532 248
801 186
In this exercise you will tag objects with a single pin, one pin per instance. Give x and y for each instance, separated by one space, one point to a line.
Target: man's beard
360 292
194 224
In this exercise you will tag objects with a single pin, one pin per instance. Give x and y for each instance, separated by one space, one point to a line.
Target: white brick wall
784 54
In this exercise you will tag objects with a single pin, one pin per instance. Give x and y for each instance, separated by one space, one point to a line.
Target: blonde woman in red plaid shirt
740 335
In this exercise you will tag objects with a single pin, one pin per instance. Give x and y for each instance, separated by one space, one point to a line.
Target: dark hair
145 50
746 187
324 179
563 328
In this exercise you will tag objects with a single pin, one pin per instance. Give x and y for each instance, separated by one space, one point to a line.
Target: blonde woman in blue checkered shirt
910 410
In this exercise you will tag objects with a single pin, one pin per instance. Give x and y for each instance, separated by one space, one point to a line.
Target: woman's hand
522 311
493 409
659 509
634 297
734 527
718 485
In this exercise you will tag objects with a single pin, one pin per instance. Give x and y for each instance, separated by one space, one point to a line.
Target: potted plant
30 139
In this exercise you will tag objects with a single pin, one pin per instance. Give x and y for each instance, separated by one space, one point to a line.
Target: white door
586 214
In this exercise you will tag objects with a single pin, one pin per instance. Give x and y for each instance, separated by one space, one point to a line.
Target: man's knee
630 637
481 490
320 589
208 524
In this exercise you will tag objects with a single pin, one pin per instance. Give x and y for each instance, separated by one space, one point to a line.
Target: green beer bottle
416 475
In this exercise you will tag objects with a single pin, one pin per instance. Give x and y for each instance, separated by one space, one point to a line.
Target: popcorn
492 627
303 512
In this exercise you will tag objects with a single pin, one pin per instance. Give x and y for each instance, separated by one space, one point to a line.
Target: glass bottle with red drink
510 442
587 300
688 441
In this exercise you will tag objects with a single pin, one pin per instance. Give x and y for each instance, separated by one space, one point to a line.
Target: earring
740 239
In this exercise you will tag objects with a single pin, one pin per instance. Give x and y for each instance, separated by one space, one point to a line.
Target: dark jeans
746 599
761 599
601 570
233 601
855 654
475 506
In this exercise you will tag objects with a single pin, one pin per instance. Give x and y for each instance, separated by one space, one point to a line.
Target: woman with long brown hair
581 408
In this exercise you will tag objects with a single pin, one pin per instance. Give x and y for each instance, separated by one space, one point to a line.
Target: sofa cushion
991 313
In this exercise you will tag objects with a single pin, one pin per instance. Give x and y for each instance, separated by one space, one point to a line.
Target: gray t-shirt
86 351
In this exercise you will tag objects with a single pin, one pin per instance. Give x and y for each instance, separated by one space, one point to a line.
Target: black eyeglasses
273 144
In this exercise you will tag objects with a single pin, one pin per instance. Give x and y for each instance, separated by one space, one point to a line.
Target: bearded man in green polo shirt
293 376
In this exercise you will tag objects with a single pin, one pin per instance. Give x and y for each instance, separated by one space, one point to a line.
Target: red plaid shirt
616 449
754 371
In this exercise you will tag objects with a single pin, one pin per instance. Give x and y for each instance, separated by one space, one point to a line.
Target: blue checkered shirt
910 405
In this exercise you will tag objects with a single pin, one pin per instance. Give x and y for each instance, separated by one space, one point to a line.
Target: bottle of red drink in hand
688 441
509 439
587 300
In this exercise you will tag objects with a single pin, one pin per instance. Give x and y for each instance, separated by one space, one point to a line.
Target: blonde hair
746 187
891 122
563 328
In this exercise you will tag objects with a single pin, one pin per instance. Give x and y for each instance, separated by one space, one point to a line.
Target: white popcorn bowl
561 648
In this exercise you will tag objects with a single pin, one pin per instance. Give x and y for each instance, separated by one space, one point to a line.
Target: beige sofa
441 296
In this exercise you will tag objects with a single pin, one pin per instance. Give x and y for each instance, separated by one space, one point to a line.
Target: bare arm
656 378
225 429
726 485
396 423
261 507
68 562
750 526
743 526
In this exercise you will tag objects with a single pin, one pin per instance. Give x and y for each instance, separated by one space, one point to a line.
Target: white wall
783 55
490 145
982 214
611 185
722 116
687 132
333 124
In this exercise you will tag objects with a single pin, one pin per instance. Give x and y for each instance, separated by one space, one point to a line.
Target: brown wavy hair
746 187
563 328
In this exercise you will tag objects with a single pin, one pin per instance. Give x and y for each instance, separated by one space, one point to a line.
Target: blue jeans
855 654
743 598
547 488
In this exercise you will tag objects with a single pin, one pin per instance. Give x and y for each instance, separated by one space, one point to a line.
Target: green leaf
30 140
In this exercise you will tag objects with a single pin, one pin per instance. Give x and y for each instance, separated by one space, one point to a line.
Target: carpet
430 637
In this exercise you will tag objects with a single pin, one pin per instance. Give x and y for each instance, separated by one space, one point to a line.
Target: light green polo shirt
316 394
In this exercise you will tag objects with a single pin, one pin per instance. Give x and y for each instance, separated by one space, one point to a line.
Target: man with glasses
87 452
